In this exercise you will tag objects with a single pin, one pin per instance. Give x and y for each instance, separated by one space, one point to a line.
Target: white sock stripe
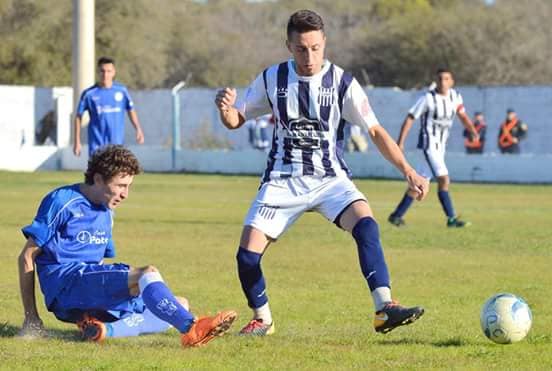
148 278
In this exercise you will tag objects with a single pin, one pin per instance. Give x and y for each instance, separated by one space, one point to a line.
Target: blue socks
136 324
251 277
446 202
159 299
403 206
370 253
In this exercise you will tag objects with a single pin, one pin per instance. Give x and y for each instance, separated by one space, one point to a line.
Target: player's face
511 116
444 82
107 74
115 190
308 51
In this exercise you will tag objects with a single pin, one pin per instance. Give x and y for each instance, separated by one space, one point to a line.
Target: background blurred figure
357 140
259 132
106 103
511 132
476 145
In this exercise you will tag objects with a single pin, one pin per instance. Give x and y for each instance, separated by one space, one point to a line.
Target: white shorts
431 164
280 202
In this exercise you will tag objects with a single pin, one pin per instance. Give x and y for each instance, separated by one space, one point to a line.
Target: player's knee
185 303
247 260
366 229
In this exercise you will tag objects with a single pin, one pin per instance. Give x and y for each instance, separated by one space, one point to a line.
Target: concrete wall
22 107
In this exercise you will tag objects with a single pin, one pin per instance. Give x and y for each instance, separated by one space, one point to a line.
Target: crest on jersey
118 96
326 96
282 92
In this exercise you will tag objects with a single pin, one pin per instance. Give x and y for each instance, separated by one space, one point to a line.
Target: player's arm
392 153
32 324
77 130
133 116
405 128
357 110
229 115
468 124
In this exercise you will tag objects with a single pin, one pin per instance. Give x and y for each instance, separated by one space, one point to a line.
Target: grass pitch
189 227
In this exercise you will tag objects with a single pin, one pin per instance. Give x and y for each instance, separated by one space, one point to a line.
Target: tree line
227 42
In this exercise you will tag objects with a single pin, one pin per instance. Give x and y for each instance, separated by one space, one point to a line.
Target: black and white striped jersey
310 114
436 113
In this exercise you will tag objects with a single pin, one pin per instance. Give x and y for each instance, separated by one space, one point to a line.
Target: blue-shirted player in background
68 240
106 103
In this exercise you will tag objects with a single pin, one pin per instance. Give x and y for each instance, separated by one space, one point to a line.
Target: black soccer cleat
397 221
457 223
394 315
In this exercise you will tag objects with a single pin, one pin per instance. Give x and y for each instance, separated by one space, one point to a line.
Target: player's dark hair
110 161
304 21
441 70
105 60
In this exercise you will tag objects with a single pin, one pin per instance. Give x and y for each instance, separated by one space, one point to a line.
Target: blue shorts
98 290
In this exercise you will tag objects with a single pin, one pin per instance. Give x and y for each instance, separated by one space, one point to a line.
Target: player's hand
139 136
226 98
77 149
418 184
32 328
515 140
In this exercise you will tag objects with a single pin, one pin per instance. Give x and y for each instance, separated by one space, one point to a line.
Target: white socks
381 296
263 313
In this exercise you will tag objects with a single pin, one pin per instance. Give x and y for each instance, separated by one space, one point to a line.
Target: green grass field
189 226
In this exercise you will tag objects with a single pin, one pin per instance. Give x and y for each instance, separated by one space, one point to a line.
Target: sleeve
460 103
254 102
419 107
129 104
356 107
50 216
83 103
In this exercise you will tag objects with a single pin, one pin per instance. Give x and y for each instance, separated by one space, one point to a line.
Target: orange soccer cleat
206 329
92 329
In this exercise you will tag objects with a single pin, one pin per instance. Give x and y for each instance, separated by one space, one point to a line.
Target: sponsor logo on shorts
133 320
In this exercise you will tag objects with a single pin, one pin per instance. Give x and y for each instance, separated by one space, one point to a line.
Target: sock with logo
251 277
403 206
372 261
159 299
136 324
446 202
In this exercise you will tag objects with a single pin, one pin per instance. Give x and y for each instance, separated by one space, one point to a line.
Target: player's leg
426 170
160 300
274 209
359 221
136 323
253 244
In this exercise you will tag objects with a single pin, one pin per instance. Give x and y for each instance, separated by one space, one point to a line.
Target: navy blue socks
403 206
446 202
251 277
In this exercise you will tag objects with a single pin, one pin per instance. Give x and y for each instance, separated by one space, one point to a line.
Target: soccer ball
505 318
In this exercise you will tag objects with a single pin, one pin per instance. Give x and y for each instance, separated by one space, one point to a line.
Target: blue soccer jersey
70 230
106 107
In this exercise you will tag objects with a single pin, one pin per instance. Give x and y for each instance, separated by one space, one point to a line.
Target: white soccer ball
506 318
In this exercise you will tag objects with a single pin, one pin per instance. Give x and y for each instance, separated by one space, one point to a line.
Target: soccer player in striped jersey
436 110
311 99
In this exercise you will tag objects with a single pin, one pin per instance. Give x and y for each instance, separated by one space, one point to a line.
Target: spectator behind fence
476 145
512 131
357 140
259 132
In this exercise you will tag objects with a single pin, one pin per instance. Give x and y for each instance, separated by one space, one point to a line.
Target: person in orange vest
511 132
476 145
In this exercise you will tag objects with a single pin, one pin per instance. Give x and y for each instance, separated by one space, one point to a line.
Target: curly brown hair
110 161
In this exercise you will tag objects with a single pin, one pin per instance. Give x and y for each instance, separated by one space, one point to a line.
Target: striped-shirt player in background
436 110
311 99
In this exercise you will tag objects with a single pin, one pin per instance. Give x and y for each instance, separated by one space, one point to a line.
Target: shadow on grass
452 342
10 331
